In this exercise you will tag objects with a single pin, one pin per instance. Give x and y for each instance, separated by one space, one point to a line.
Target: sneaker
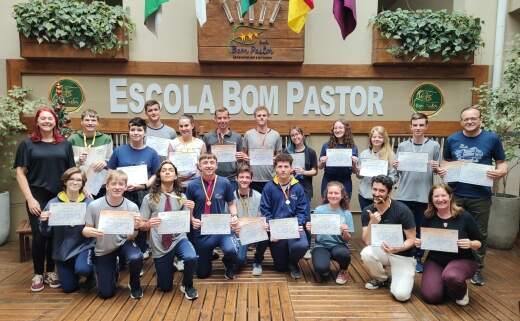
465 300
342 277
376 284
257 269
37 283
146 254
307 255
135 293
141 273
477 278
51 278
419 268
214 256
179 265
229 274
189 293
296 273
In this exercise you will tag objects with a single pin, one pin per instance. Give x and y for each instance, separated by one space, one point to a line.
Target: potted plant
55 29
500 110
12 107
425 37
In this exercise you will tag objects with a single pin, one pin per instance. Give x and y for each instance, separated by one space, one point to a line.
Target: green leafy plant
84 25
500 108
12 107
425 33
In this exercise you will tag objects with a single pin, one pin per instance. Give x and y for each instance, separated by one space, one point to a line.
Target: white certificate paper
213 224
137 175
159 144
284 228
116 222
261 156
413 162
63 214
373 167
95 181
225 152
469 173
339 157
298 160
325 224
174 222
253 232
94 154
392 234
185 162
439 239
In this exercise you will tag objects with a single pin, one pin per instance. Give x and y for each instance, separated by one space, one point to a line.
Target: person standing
40 161
262 137
154 126
473 144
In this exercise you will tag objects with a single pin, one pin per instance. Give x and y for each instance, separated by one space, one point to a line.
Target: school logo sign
71 92
427 98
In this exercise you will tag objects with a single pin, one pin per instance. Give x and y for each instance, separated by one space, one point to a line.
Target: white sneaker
179 265
257 269
146 254
307 255
465 300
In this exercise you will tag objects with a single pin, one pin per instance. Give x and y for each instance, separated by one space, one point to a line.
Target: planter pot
503 221
31 49
5 217
382 57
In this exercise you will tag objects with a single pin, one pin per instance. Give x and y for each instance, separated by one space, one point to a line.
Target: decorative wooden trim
382 57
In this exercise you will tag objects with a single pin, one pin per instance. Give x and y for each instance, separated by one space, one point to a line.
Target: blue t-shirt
337 171
125 155
481 149
330 241
222 194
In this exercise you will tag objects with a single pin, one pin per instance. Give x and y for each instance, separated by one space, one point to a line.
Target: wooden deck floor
274 296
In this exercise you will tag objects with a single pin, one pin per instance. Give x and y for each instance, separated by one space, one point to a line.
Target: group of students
273 192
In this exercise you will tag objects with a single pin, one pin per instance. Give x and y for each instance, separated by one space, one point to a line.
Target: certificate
439 239
298 160
373 167
476 174
137 175
261 156
253 232
225 153
215 224
67 214
339 157
325 224
159 144
184 161
284 228
94 154
174 222
392 234
116 222
413 162
95 181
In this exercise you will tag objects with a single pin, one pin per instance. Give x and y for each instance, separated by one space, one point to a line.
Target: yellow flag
298 10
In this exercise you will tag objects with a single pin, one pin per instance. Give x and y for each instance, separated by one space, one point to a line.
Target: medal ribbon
85 140
285 192
209 194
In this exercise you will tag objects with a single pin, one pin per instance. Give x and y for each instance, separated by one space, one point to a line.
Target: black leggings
321 257
41 245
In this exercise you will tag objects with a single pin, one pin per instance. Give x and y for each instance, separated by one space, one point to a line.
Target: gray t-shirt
226 169
248 206
415 186
365 183
164 132
108 243
255 140
151 209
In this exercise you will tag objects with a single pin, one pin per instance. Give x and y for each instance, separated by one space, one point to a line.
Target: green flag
245 5
151 10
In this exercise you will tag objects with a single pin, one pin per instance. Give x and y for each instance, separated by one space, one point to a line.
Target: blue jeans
107 271
164 265
205 244
417 209
69 271
260 248
285 252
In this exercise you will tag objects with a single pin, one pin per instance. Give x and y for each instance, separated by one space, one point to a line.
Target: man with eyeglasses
473 144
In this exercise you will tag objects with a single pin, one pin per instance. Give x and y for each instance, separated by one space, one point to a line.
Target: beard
379 199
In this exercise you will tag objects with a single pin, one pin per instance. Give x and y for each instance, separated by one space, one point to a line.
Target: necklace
244 203
85 140
212 185
285 192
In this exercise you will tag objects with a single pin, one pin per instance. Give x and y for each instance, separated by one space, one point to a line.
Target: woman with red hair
41 159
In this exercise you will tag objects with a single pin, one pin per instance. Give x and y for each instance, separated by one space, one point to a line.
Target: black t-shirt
45 162
311 161
397 213
468 229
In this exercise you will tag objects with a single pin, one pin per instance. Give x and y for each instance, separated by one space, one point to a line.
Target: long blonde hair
386 152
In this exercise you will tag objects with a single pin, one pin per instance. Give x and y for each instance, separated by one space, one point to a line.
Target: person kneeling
111 247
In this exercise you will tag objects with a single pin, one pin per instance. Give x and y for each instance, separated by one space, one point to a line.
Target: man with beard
401 259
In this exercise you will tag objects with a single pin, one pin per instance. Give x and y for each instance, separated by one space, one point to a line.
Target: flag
345 13
245 4
200 11
152 14
298 10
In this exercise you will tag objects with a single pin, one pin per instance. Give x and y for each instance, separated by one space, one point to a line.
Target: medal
286 193
445 224
287 202
212 186
208 203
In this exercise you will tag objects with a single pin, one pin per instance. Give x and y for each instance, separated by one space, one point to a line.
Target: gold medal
208 203
208 197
